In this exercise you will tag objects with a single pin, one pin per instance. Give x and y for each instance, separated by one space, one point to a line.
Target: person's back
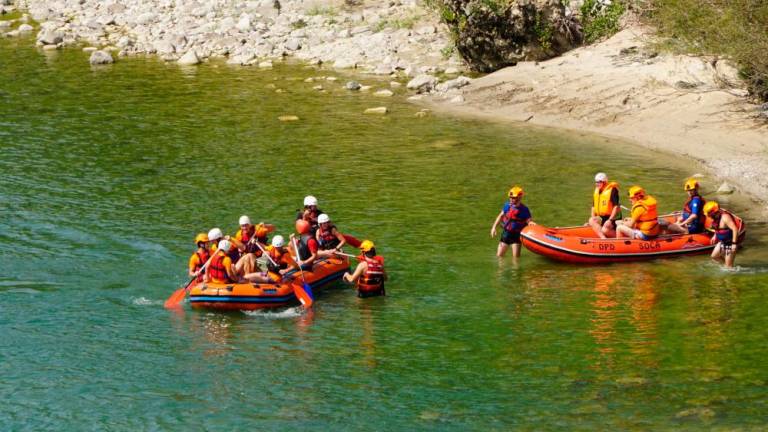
645 212
220 268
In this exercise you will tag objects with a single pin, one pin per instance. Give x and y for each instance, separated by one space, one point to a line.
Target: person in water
329 239
606 208
369 275
691 220
644 221
220 269
310 213
306 244
279 262
200 257
514 216
726 233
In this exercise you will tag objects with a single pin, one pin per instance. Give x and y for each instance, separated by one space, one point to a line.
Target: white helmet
323 218
224 245
215 234
278 241
244 220
309 200
601 177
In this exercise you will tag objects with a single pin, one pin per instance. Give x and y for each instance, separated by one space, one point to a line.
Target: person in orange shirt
644 223
279 262
200 257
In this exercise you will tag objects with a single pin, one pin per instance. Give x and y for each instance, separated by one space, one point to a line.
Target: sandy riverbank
623 88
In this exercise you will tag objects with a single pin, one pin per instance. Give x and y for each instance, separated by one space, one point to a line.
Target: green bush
736 29
599 20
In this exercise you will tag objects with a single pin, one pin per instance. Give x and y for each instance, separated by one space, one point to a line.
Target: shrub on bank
737 29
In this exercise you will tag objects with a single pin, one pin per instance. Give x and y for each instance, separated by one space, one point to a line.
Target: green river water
108 173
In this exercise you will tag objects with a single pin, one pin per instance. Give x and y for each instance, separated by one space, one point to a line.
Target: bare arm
496 223
352 278
342 239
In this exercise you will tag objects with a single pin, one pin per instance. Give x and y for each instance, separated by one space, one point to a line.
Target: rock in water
383 93
101 57
189 58
288 118
422 83
50 37
377 110
353 85
24 28
725 189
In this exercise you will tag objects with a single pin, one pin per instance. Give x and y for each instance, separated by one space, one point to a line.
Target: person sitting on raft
249 233
513 217
644 221
329 239
279 262
215 236
606 209
310 213
691 221
200 257
220 269
369 275
306 245
722 223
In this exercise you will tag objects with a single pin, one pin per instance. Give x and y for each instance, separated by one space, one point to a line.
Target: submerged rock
288 118
189 58
422 83
383 93
101 57
352 85
726 189
377 110
25 28
49 37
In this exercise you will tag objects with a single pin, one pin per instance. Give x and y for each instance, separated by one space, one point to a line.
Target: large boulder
50 37
492 36
422 83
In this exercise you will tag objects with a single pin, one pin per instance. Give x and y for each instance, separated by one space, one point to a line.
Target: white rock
242 59
5 24
344 63
101 57
50 47
189 58
49 37
383 93
395 84
25 28
457 99
317 87
454 84
726 188
451 70
353 85
145 18
244 24
293 44
163 47
265 64
377 110
422 83
124 41
426 30
89 49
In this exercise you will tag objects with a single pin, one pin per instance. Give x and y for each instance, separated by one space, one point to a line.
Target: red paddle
303 291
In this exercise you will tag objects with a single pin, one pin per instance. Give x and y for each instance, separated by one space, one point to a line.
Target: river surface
108 173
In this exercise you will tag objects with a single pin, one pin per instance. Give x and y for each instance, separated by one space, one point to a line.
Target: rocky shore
371 36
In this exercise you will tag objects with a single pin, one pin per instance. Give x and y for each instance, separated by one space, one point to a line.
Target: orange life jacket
648 222
601 200
373 278
217 270
202 259
278 256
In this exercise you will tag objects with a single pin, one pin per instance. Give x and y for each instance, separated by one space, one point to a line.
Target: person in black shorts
514 216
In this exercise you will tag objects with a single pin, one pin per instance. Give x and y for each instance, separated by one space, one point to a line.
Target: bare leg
676 229
515 250
608 229
594 222
624 231
246 264
730 257
716 251
502 249
257 278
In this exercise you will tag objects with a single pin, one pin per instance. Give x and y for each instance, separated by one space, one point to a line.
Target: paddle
178 296
303 292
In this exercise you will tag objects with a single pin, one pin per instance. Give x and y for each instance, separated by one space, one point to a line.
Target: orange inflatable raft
252 296
580 245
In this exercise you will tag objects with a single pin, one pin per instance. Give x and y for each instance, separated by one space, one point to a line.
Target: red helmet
302 226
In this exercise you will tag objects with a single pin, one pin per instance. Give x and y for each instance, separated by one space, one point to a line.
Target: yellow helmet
366 245
691 184
635 191
711 207
201 238
516 191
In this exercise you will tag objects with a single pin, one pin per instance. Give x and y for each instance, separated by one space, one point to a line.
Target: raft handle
627 242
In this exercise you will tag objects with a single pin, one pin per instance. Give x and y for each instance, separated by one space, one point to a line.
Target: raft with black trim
252 296
580 245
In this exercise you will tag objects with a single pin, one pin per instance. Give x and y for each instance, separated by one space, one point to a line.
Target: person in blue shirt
513 218
691 220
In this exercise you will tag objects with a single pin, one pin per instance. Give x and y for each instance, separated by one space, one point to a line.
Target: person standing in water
514 216
726 233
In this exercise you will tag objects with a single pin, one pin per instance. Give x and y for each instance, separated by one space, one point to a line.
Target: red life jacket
373 278
510 221
217 270
724 234
203 257
328 239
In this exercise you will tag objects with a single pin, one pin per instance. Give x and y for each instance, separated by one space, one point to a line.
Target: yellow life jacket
601 200
648 220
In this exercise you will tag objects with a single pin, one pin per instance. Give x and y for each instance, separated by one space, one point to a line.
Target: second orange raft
579 244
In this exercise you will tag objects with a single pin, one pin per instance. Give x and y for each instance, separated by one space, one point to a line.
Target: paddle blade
304 293
176 298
